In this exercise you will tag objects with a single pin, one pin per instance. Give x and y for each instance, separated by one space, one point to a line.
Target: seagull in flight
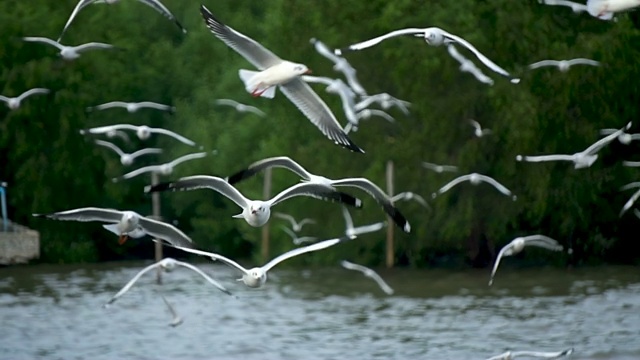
284 74
127 159
175 318
479 131
133 106
518 244
143 132
408 195
385 100
298 240
167 264
361 183
439 168
14 102
475 179
295 225
368 273
162 169
255 212
353 232
563 65
340 64
240 107
623 137
70 52
510 355
467 65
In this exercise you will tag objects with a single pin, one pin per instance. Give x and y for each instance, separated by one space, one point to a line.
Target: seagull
361 183
298 240
433 36
240 107
439 168
127 159
475 179
126 221
368 273
385 100
14 102
295 226
366 114
576 7
175 318
353 232
467 65
166 264
162 169
624 138
255 212
518 244
257 276
564 65
582 159
144 132
275 71
133 106
340 64
70 52
633 198
510 355
155 4
605 9
408 195
479 132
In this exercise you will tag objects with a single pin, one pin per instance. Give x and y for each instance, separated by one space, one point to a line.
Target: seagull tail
254 88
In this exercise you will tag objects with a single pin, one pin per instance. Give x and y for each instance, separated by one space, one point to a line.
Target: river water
56 312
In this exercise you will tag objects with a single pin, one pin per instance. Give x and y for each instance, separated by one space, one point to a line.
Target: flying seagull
623 137
240 107
439 168
298 240
510 355
127 159
275 71
295 225
340 64
479 131
175 318
563 65
475 179
133 106
408 195
70 52
162 169
14 102
144 132
368 273
385 100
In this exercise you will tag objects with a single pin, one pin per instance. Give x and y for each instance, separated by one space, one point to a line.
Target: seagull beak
122 239
254 211
308 71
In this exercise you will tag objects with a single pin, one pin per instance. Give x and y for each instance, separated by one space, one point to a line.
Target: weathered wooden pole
390 223
155 204
266 193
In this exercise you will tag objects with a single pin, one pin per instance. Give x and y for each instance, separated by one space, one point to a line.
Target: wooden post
155 204
390 225
266 192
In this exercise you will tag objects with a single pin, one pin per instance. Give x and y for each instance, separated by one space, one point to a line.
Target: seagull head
143 132
431 37
257 213
300 69
254 278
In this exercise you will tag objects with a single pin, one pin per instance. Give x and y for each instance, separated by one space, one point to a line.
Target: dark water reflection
55 312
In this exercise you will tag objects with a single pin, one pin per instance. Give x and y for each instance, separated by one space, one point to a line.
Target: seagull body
175 318
605 9
70 52
433 36
240 107
167 264
475 179
277 72
353 232
133 106
368 273
257 276
162 169
408 195
14 102
298 240
307 177
255 212
340 64
518 244
155 4
563 65
439 168
385 100
295 226
576 7
479 132
126 222
127 159
143 132
510 355
467 65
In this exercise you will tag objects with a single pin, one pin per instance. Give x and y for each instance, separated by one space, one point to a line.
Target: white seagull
518 244
126 221
298 240
439 168
408 195
623 137
295 225
479 132
433 36
240 107
385 100
467 65
70 52
255 212
155 4
582 159
175 318
563 65
576 7
353 232
14 102
605 9
167 264
475 179
360 183
257 276
275 71
368 273
127 159
162 169
510 355
143 132
133 106
340 64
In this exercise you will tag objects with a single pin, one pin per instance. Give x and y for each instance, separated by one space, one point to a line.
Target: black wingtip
159 187
238 177
349 200
398 218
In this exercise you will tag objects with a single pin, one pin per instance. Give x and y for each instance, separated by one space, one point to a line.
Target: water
55 312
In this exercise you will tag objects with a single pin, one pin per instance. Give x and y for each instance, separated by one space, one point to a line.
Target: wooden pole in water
155 204
390 227
266 193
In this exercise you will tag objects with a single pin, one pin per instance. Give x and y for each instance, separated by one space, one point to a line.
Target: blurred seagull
162 169
475 179
14 102
133 106
479 132
368 273
353 232
240 107
367 114
576 7
408 195
298 240
167 264
155 4
360 183
631 163
518 244
143 132
340 64
127 159
126 221
175 318
433 36
255 212
277 72
439 168
467 65
295 226
623 137
510 355
605 9
385 100
633 198
70 52
563 65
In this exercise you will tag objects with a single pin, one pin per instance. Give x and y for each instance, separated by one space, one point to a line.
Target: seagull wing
81 5
207 277
43 40
542 63
137 172
503 189
583 61
165 231
546 355
227 102
454 182
131 282
214 257
92 46
173 312
347 218
281 162
377 40
178 137
595 147
203 182
159 7
255 110
289 232
503 252
455 53
630 202
155 105
187 157
365 229
34 91
86 214
542 158
369 273
110 146
475 124
324 50
145 152
106 129
110 105
315 190
543 242
287 217
301 250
